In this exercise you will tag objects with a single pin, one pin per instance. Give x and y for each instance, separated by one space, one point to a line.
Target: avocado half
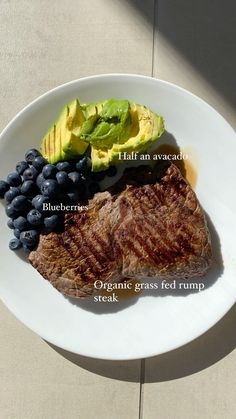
110 128
146 127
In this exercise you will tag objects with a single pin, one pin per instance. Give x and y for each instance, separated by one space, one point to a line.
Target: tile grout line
141 388
155 8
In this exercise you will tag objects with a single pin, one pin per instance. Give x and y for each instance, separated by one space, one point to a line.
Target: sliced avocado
88 125
90 109
60 123
75 116
111 126
66 142
72 144
50 147
101 158
146 127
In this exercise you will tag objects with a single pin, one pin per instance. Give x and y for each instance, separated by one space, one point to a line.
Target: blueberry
10 223
20 203
31 154
17 233
4 186
93 188
62 178
76 178
29 188
64 166
34 217
39 162
73 197
12 193
40 179
21 166
11 212
49 171
21 223
83 165
14 244
98 176
38 202
30 174
14 179
111 171
35 199
49 188
29 237
28 248
51 222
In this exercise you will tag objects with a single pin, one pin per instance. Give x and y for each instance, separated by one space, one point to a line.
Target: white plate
150 324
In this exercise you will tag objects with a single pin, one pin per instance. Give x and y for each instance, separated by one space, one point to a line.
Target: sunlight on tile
171 65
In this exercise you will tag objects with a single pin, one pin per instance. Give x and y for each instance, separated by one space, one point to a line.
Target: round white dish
150 324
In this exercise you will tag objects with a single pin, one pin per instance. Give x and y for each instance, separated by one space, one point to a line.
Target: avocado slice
90 109
50 147
60 123
72 144
146 127
107 125
62 141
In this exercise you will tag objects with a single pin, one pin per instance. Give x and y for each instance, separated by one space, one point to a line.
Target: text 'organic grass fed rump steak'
149 225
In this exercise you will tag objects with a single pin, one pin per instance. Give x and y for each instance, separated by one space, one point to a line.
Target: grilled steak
150 225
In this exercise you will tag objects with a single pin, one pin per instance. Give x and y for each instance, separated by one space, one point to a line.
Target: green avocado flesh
110 127
146 127
62 141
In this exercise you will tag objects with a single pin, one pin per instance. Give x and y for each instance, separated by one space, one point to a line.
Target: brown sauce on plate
187 166
122 293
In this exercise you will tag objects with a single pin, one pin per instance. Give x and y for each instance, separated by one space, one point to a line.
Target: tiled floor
45 44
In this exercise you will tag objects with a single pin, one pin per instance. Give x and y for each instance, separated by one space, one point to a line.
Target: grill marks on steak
74 259
139 228
169 237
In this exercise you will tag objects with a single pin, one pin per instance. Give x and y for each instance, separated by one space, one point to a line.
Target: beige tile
48 43
197 380
37 382
195 48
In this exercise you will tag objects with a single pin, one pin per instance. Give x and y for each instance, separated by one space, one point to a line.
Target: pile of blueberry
36 182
